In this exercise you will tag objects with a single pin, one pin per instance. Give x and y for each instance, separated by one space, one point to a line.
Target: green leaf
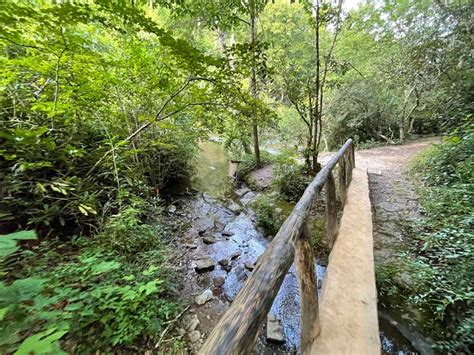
8 242
105 266
42 343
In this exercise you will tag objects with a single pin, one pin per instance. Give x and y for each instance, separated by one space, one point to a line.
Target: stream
222 226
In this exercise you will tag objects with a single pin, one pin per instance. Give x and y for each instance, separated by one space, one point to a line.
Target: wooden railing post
309 308
341 172
353 155
348 160
332 225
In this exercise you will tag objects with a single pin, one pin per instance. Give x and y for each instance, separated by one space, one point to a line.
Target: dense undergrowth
439 263
112 294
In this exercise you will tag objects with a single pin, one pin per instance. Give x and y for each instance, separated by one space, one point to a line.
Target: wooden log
341 172
332 225
353 156
348 160
237 330
308 286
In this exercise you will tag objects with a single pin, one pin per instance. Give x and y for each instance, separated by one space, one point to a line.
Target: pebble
235 255
234 207
224 262
194 336
193 323
219 281
208 240
204 297
274 329
249 266
203 263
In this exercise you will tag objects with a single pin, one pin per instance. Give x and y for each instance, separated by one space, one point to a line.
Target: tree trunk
316 113
253 88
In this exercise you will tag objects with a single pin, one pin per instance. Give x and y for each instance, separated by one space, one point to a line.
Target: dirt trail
393 196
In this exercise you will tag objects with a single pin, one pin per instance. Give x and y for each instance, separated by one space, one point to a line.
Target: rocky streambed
220 250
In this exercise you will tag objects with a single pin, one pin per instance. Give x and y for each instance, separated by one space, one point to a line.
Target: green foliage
8 243
290 178
126 234
442 252
96 300
268 218
248 164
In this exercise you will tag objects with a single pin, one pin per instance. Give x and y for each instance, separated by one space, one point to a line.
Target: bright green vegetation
442 258
102 108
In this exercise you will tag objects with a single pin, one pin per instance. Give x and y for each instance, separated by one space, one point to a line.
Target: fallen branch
170 323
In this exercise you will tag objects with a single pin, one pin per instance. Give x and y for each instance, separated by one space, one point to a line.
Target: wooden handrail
237 330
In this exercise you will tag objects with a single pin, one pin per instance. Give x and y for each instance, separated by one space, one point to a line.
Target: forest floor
223 242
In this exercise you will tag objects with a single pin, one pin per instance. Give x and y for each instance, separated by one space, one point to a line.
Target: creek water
218 207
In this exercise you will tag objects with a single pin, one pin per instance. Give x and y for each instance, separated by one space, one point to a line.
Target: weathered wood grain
304 260
341 174
332 225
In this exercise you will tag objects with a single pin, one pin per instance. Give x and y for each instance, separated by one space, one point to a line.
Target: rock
218 225
203 263
235 254
219 281
223 262
406 280
227 233
204 297
208 316
148 352
249 197
274 329
181 331
190 246
249 266
208 240
171 209
242 191
234 207
228 298
192 323
194 336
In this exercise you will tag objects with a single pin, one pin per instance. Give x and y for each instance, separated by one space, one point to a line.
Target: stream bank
219 250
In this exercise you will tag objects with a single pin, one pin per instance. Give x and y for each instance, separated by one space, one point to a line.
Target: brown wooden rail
237 331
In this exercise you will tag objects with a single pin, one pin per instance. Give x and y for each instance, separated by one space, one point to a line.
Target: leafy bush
290 178
267 217
92 300
127 235
443 244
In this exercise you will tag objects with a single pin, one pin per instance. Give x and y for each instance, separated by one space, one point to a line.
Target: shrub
290 178
94 300
267 216
443 240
